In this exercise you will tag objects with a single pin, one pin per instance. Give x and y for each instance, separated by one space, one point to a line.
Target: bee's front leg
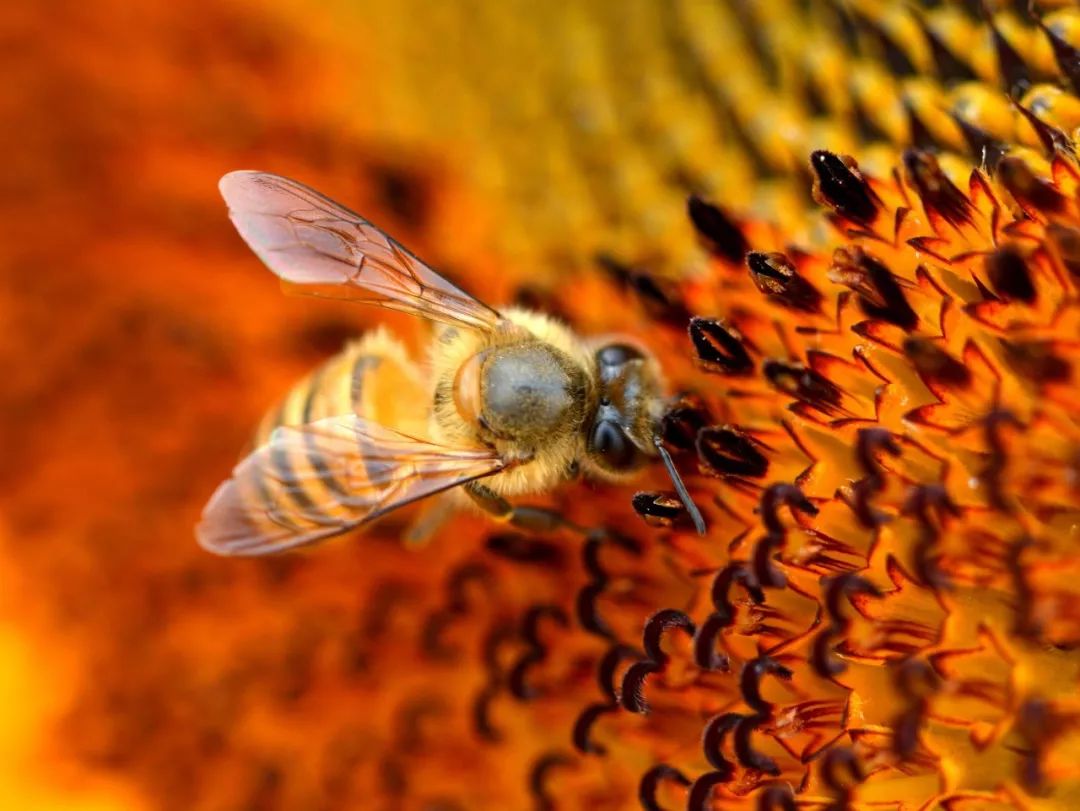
534 519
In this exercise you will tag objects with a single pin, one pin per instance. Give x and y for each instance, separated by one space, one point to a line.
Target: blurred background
141 341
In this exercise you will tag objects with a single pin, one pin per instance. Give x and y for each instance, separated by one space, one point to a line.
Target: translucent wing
322 248
314 481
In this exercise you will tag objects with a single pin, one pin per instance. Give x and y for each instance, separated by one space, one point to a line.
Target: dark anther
1009 275
984 147
1037 725
803 383
880 295
1015 76
938 193
906 731
905 735
750 682
655 627
896 59
404 192
735 572
776 277
782 495
919 135
814 102
774 497
605 676
839 185
379 609
650 782
947 65
935 364
700 796
1036 361
495 639
843 25
524 549
727 451
659 508
682 421
755 34
1066 242
842 586
585 609
659 301
841 771
632 696
266 787
762 559
431 636
871 442
999 458
458 583
1052 139
923 502
1067 56
605 671
712 741
392 777
532 296
705 654
1026 625
722 235
584 724
536 652
776 798
836 588
916 681
746 754
456 605
719 347
411 722
867 129
1033 193
481 714
585 603
590 558
538 775
633 686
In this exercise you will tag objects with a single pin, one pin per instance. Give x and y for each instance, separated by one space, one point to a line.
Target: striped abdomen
372 377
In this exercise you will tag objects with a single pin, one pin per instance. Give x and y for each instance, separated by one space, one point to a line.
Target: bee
510 403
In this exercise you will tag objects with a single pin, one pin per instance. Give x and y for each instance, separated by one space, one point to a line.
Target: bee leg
432 516
534 519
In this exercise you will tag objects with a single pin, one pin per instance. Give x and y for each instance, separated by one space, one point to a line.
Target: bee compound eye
617 354
613 446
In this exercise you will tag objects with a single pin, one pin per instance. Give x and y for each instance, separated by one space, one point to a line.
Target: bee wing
311 482
322 248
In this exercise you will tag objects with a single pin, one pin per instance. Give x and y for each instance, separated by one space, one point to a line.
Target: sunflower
851 233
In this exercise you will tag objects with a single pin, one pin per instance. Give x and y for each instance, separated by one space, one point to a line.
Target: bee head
624 432
620 436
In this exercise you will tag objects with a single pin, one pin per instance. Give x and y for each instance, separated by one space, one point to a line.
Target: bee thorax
531 393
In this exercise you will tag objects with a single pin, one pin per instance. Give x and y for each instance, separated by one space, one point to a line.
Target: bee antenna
680 488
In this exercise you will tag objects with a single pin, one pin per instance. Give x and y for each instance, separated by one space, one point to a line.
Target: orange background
141 341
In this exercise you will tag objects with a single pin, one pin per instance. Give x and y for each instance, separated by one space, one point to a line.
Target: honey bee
510 403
